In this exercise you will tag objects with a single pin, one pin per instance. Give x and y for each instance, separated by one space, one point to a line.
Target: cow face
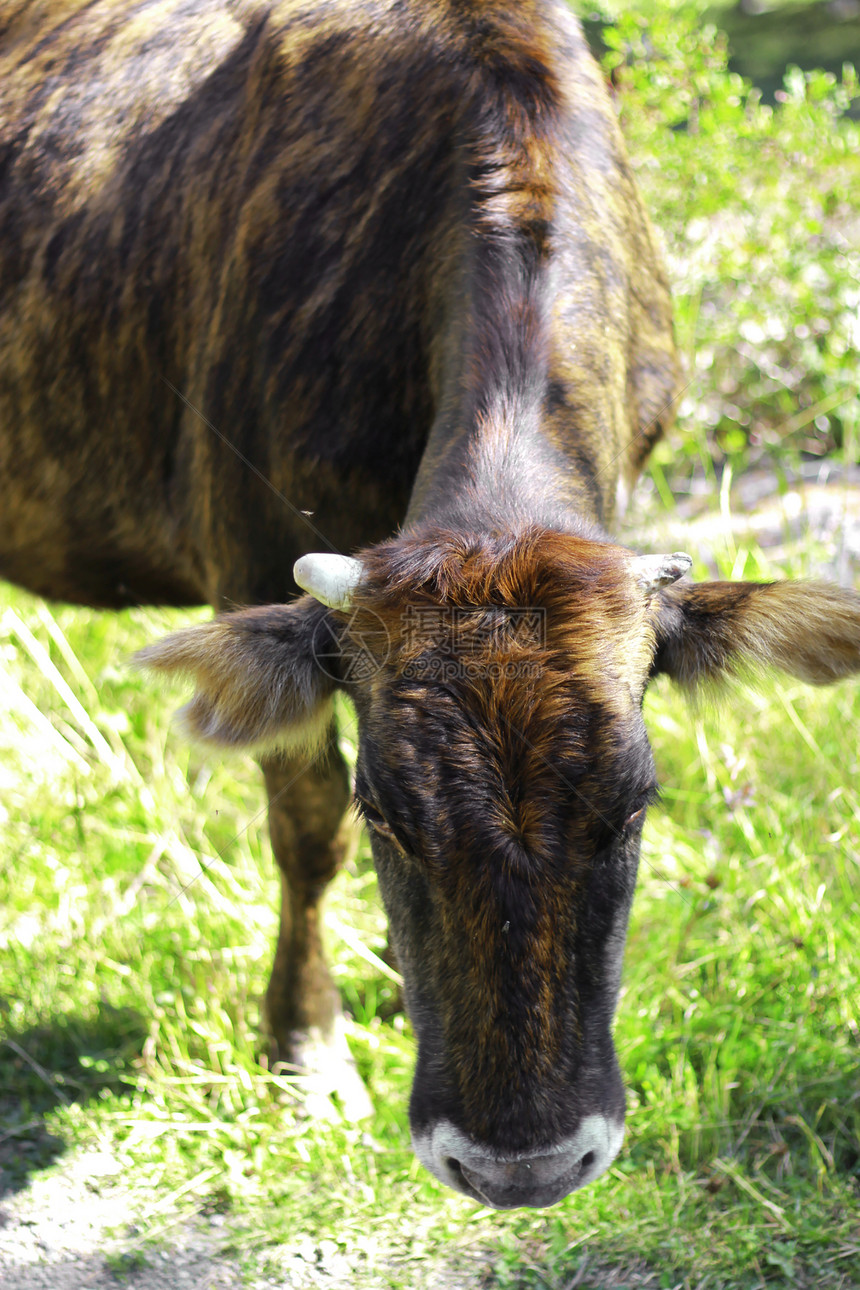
503 772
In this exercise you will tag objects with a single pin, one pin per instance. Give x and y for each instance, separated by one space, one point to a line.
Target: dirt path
72 1228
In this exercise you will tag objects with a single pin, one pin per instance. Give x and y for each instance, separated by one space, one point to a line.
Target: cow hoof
322 1068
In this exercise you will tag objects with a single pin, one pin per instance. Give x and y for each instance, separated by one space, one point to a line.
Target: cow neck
493 461
502 451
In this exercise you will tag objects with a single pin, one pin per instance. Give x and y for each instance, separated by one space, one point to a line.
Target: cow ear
261 675
709 630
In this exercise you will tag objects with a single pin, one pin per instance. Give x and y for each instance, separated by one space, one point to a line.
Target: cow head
504 773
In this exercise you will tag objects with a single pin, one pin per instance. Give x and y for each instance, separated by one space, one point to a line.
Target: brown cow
278 277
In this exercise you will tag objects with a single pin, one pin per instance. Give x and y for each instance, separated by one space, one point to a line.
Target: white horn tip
329 578
655 571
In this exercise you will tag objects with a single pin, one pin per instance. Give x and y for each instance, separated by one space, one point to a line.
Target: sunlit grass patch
138 916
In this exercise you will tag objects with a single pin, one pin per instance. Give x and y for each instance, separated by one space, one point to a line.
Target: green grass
137 912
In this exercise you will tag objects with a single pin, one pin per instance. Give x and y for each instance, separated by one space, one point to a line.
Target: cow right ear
707 631
264 677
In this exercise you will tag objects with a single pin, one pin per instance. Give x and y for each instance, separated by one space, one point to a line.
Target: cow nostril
453 1165
587 1160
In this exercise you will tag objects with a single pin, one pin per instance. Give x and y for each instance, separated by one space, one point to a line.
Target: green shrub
759 209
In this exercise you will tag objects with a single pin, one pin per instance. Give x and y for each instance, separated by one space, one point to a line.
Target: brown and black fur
323 226
512 775
282 210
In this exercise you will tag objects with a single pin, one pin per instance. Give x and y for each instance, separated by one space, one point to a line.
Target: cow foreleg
307 800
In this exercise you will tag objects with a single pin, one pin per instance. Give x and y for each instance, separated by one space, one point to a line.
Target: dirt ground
60 1233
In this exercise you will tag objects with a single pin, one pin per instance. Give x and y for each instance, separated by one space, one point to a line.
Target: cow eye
641 807
377 821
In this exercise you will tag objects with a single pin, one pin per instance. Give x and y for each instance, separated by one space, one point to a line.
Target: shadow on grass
70 1060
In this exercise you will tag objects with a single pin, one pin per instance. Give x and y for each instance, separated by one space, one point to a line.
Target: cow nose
535 1182
530 1178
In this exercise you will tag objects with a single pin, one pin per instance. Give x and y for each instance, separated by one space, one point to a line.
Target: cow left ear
711 630
262 676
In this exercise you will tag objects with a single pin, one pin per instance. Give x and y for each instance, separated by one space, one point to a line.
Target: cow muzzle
524 1179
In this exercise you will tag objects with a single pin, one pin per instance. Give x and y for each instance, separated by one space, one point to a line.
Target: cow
357 299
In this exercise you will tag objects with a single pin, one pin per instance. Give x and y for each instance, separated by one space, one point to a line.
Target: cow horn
330 579
655 571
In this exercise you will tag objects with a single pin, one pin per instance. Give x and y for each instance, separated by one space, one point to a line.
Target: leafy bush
759 208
